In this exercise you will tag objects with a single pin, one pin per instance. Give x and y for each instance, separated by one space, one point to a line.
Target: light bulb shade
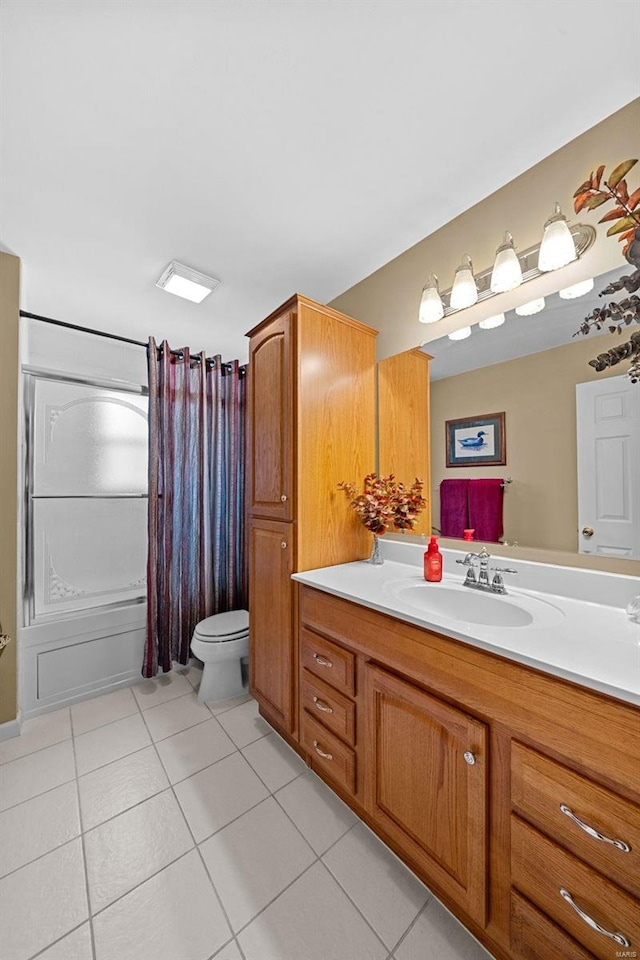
431 306
557 248
507 272
492 322
577 290
528 309
460 334
464 292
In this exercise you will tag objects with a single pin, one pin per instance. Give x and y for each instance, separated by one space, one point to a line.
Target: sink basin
452 601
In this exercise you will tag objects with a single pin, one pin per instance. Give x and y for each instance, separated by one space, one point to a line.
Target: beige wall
388 299
9 319
537 394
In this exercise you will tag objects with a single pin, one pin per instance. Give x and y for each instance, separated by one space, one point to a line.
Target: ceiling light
528 309
431 306
460 334
492 322
464 292
507 272
187 283
557 248
577 290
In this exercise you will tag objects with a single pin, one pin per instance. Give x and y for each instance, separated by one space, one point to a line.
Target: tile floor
143 825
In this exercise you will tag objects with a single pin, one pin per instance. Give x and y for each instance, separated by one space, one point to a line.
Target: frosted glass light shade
557 248
460 334
431 306
464 292
492 322
528 309
577 290
507 272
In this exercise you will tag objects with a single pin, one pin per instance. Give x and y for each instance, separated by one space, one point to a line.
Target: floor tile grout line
32 753
41 856
413 922
34 956
82 841
35 795
350 898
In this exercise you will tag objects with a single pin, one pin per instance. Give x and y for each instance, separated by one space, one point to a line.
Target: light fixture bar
584 237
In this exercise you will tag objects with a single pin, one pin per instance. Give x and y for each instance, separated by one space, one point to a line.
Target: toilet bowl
221 642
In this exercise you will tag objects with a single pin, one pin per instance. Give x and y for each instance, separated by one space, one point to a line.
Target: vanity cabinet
311 402
426 784
498 784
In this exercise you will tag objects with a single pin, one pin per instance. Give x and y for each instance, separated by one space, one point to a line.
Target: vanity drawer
328 706
540 787
328 661
328 753
534 937
541 869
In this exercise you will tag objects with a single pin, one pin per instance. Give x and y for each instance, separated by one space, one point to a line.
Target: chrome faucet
482 582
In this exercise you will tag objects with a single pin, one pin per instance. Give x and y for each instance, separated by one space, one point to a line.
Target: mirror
528 368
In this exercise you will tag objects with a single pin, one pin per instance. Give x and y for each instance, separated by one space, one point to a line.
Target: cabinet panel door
271 377
271 666
421 790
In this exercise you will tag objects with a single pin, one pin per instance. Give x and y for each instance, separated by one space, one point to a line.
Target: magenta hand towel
453 508
485 508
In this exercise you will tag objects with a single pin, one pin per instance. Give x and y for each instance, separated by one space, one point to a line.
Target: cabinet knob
284 544
284 498
469 758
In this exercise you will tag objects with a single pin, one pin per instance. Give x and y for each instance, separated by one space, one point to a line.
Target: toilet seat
223 627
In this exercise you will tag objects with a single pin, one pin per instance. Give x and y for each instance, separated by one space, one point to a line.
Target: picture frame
476 441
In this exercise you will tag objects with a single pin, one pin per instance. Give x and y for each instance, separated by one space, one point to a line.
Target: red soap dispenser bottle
433 562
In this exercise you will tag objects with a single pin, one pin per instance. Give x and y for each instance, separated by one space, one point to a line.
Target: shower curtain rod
114 336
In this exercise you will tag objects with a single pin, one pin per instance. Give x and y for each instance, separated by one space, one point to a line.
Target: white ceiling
279 145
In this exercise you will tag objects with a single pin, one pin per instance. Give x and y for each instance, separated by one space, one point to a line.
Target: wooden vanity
512 793
475 770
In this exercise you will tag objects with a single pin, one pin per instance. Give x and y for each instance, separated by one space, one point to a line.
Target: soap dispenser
433 562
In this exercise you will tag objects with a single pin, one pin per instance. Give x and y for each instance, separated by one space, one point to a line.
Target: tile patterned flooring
143 825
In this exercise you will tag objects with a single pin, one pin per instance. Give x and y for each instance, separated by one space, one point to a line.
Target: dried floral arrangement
385 502
625 224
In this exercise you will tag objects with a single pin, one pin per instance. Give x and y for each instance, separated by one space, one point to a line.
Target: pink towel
454 518
485 509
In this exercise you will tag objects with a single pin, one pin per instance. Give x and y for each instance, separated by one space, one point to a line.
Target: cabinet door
271 666
421 790
271 377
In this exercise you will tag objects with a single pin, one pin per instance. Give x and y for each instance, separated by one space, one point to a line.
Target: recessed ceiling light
187 283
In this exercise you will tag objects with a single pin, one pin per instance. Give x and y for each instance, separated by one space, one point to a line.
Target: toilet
221 642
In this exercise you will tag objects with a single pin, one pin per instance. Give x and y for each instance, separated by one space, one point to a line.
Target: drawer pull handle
321 705
469 758
327 756
323 661
618 937
620 844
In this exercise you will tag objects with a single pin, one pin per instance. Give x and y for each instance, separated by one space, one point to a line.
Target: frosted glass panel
88 553
88 441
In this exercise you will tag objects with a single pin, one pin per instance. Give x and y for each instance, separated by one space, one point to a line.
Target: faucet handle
468 560
503 570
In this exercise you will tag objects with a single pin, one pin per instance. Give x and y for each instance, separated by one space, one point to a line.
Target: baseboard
9 729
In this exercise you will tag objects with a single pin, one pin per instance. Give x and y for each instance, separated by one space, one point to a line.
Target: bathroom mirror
528 367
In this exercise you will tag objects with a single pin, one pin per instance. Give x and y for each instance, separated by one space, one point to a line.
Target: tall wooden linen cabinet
312 424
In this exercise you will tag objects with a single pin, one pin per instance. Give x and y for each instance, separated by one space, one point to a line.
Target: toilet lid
224 626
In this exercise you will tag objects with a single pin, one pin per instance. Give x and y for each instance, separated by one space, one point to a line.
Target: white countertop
593 644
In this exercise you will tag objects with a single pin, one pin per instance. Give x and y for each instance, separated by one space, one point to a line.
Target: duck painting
473 443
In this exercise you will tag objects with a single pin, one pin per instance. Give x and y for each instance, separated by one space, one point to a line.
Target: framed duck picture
475 441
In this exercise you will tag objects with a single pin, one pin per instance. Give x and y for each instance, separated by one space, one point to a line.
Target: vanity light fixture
464 292
490 323
507 272
431 306
460 334
557 248
528 309
186 282
577 290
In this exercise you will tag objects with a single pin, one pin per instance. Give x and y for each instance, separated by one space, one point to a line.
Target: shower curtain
197 559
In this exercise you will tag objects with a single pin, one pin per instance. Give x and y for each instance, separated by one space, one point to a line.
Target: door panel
272 667
422 791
